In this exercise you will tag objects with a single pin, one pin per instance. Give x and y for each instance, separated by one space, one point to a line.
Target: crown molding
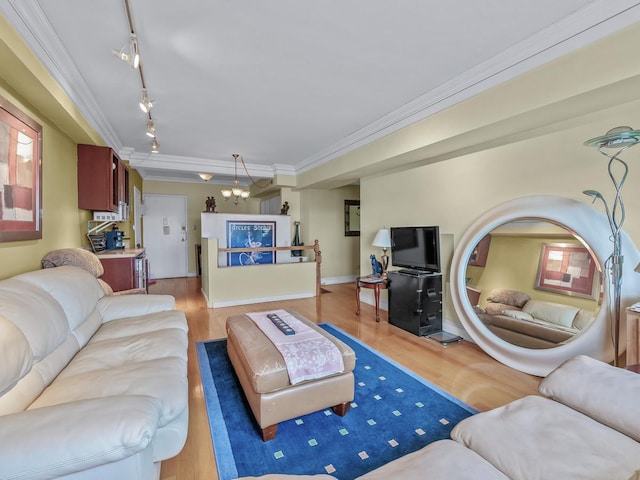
30 22
593 22
585 26
205 165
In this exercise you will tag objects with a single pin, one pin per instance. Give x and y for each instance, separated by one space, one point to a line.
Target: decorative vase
296 241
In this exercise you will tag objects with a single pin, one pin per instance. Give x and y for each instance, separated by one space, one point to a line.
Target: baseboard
335 280
455 328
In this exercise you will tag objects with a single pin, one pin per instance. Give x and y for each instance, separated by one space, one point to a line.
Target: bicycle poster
250 234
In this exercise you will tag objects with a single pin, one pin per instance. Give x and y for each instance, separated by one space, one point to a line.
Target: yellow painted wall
322 218
25 83
61 220
513 264
197 194
453 194
264 283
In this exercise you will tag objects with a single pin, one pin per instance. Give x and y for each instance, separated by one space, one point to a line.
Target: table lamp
383 239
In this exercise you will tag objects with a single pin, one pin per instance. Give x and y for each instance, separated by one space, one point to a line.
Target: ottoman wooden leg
341 409
269 433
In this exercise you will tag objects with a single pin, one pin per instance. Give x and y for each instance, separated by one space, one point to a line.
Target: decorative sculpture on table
376 266
296 241
285 209
210 205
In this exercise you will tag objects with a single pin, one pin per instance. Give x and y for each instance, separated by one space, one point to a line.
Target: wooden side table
376 286
633 337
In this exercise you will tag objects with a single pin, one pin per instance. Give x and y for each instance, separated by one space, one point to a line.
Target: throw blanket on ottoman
307 353
264 377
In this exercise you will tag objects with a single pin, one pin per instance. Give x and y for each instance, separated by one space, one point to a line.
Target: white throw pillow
551 312
518 315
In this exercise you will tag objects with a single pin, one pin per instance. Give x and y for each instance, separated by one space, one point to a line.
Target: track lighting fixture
129 53
151 128
145 103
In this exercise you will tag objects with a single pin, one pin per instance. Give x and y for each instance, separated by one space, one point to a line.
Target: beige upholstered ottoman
263 375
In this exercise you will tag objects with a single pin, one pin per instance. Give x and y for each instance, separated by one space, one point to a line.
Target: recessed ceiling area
289 85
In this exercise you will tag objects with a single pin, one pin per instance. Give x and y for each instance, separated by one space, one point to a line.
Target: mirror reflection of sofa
517 318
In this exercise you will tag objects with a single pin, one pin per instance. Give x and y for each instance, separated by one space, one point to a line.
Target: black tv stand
415 301
410 271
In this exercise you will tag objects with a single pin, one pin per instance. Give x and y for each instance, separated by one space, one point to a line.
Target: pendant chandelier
236 190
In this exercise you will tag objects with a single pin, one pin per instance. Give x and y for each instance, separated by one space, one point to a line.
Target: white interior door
165 235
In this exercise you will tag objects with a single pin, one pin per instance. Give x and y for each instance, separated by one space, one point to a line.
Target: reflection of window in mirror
352 218
478 257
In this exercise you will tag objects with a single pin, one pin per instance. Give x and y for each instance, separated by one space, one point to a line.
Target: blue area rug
394 413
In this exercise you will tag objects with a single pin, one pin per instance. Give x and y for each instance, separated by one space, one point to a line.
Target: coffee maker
115 239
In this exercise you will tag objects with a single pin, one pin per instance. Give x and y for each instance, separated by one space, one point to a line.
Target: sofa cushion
152 322
583 319
26 305
497 308
163 379
15 355
75 289
508 297
444 459
538 438
518 315
535 328
551 312
616 403
129 306
40 444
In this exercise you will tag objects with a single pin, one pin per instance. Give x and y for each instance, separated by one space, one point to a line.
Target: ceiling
288 84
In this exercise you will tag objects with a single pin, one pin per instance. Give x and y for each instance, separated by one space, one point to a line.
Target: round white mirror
591 231
534 284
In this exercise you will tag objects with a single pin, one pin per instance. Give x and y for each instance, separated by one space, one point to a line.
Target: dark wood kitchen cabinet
103 179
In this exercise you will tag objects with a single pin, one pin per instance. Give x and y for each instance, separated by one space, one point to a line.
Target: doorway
165 235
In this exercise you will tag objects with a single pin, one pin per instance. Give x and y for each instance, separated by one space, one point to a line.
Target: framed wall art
568 270
20 175
352 218
250 234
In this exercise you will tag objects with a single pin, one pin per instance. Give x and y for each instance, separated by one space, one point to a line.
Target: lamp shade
383 239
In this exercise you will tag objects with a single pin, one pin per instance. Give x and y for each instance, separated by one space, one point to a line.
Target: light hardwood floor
461 369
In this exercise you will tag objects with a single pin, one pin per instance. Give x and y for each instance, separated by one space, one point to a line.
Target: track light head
145 103
129 53
151 128
155 146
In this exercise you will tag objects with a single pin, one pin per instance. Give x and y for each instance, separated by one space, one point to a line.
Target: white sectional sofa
530 323
91 386
586 426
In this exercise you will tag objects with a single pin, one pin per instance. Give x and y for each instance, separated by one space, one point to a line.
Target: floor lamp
618 139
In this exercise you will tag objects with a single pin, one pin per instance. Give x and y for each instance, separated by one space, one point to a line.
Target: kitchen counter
121 253
124 268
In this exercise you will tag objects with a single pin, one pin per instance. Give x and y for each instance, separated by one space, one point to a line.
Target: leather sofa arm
123 306
61 439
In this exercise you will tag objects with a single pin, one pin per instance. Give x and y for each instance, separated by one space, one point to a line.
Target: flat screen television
416 248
